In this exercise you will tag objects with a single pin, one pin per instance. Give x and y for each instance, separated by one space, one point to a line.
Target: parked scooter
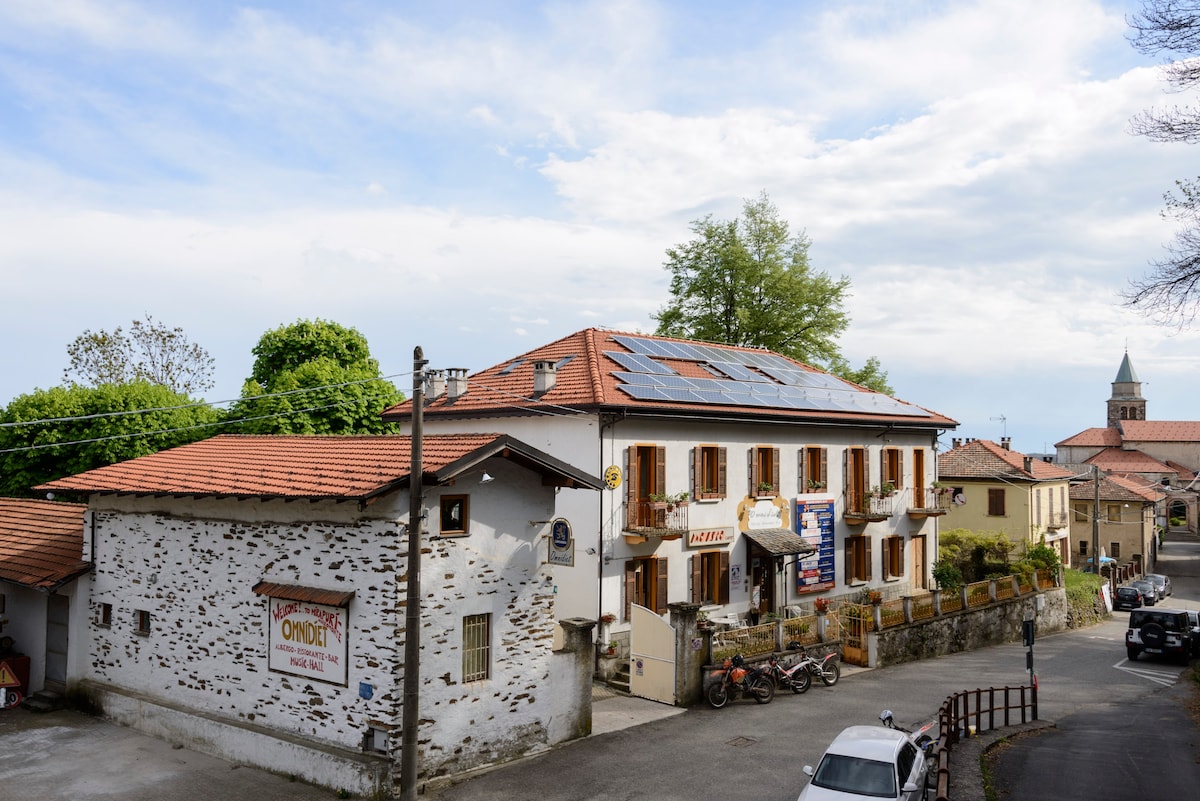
826 668
793 675
734 679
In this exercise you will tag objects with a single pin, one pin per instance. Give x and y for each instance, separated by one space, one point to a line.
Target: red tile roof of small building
1161 430
1093 437
305 467
982 458
1116 460
585 380
1117 488
41 542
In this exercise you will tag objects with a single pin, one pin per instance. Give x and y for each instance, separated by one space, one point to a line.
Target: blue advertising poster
814 522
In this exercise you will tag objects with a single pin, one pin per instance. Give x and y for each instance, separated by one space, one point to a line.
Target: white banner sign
308 640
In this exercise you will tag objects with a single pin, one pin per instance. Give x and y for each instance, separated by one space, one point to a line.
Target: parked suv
1159 631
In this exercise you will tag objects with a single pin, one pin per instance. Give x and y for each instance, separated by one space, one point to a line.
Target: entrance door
762 583
920 570
58 613
651 656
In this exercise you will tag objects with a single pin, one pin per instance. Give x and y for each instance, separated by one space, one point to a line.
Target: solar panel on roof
738 372
641 392
638 363
679 394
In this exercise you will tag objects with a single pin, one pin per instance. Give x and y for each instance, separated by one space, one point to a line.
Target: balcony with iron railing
655 519
869 507
930 502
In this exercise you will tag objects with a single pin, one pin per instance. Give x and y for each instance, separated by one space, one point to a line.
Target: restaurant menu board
814 522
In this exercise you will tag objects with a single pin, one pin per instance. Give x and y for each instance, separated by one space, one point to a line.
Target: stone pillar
937 602
577 640
691 653
876 617
822 625
908 604
1016 584
992 590
962 595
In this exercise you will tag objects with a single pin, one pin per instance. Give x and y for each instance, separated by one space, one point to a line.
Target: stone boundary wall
996 623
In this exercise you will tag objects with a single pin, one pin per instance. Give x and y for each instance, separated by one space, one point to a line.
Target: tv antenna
1003 424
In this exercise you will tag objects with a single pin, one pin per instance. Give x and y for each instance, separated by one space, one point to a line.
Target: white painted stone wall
192 564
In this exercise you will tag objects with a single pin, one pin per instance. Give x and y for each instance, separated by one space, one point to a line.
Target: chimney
544 374
456 383
1006 443
1028 464
435 384
956 442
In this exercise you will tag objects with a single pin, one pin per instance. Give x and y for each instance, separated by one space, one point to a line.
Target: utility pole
1096 518
411 721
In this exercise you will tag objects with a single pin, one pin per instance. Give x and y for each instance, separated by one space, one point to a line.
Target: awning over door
779 541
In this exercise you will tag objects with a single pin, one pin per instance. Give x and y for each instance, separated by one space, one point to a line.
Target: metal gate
651 656
855 621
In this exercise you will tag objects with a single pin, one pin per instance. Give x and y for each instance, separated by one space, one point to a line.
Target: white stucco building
780 464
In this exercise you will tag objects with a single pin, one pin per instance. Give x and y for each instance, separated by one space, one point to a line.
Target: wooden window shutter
775 480
752 456
846 478
824 478
697 472
885 563
723 584
802 470
867 546
848 567
660 586
660 469
866 471
630 578
883 467
631 479
694 563
721 485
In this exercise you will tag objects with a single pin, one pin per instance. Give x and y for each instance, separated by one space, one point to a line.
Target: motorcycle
826 668
793 675
734 679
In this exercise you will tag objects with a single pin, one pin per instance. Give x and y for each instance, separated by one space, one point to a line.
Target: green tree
1171 289
314 377
61 431
149 352
748 282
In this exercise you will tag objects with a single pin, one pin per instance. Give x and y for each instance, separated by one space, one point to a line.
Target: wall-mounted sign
308 640
711 536
562 544
814 522
760 514
612 477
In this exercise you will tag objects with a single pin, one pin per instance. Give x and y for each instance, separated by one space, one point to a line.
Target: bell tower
1126 402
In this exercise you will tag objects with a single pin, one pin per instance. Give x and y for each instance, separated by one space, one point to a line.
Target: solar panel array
774 382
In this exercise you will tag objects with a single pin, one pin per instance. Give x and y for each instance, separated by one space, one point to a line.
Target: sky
479 179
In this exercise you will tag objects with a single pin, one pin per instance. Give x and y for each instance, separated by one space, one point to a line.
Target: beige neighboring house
1123 510
1159 454
994 488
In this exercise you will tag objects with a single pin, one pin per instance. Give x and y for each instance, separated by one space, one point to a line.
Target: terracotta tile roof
1160 431
1093 437
586 381
1116 460
307 467
1117 488
983 458
41 542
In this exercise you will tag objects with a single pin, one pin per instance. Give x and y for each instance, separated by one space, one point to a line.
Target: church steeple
1126 402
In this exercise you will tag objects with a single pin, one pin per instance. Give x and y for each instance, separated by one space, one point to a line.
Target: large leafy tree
748 282
61 431
1170 291
149 352
314 377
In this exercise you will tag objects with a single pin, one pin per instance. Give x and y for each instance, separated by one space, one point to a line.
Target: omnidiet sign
308 640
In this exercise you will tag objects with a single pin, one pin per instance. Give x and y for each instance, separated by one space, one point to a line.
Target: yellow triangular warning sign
7 677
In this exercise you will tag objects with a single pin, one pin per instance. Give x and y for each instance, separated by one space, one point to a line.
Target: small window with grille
477 647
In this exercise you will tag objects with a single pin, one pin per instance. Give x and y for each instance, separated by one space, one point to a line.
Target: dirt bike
734 679
825 668
793 675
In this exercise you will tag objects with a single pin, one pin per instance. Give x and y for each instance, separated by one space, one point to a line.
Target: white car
868 762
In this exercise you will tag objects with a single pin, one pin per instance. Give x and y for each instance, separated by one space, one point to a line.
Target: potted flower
813 484
668 501
821 605
766 488
612 648
885 490
608 618
875 597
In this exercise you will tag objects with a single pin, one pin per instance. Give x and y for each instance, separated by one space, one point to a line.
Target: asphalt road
1118 730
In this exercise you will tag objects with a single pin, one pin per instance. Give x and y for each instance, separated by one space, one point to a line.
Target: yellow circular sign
612 477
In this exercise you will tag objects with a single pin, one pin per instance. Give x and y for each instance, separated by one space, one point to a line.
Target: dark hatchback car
1127 598
1149 594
